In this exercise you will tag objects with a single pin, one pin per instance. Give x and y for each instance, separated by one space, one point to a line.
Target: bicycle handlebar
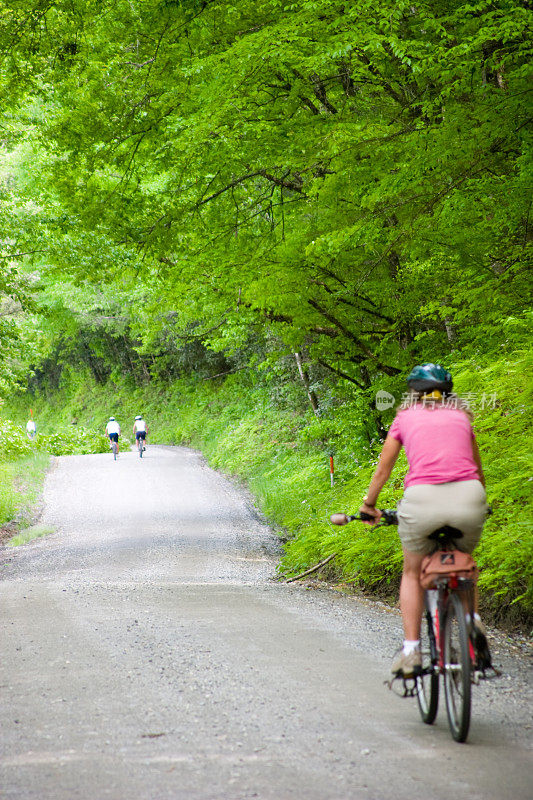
388 517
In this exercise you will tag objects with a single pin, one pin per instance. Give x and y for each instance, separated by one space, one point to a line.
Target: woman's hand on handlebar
370 511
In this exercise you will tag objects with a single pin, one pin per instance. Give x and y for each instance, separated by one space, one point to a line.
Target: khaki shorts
425 507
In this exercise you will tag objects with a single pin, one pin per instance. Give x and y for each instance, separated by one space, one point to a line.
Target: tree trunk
305 380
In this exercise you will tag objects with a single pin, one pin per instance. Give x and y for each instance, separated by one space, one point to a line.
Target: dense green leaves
354 176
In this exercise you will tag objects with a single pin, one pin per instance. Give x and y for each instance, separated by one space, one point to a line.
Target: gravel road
148 653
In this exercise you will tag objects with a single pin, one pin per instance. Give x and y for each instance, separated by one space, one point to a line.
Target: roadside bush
66 440
73 440
20 484
14 443
9 497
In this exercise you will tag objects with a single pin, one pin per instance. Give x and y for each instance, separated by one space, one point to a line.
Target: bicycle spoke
427 684
457 670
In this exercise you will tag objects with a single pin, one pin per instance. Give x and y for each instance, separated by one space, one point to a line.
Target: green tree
353 177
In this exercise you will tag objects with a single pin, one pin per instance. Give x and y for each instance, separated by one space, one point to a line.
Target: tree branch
313 569
353 338
340 373
294 185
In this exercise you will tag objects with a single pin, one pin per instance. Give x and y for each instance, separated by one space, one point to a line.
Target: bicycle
451 645
114 449
141 446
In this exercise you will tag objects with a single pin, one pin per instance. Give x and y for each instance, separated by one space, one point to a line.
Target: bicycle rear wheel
115 450
141 448
427 684
457 669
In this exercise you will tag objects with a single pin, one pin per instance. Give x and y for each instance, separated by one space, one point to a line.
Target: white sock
409 645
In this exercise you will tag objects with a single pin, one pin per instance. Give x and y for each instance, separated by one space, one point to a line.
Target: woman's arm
389 454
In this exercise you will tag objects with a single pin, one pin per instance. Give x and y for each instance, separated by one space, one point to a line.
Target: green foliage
73 440
363 194
505 441
65 440
14 444
9 497
20 484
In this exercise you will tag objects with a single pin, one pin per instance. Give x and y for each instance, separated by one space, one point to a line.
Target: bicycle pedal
483 675
409 687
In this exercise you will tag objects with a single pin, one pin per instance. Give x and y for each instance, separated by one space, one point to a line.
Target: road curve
146 653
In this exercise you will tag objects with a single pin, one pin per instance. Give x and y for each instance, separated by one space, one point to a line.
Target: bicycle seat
446 534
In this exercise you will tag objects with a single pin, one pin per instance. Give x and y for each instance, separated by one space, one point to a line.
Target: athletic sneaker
478 635
407 666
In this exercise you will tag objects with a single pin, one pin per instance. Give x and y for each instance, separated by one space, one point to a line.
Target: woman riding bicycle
445 485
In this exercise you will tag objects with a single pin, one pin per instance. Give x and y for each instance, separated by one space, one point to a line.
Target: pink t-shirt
438 444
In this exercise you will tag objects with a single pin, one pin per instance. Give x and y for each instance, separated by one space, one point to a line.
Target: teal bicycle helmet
430 377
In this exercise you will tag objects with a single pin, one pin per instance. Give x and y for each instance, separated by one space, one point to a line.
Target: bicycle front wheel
427 684
457 669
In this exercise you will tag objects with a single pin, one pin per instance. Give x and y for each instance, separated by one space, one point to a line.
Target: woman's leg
411 595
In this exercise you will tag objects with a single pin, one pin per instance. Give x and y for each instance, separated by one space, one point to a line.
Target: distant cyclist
31 429
139 431
112 429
